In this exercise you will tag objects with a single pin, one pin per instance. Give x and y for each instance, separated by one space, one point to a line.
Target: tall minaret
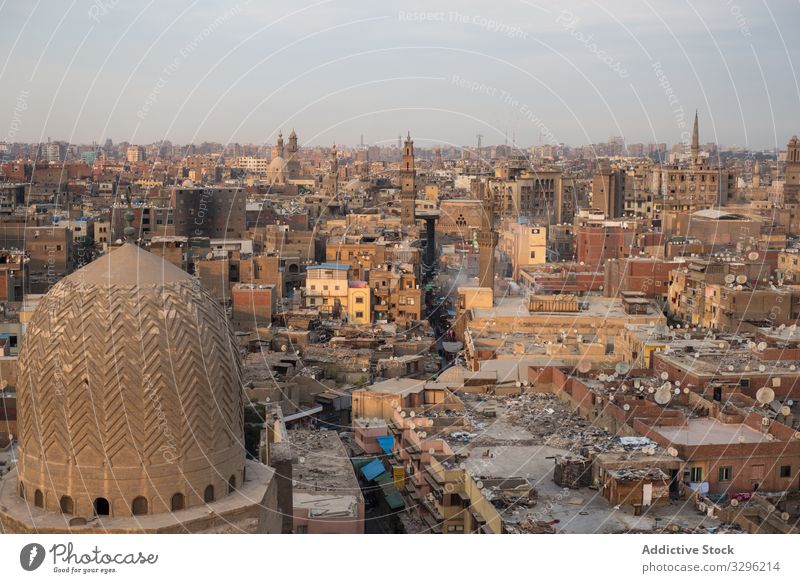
279 145
695 149
487 237
791 173
333 176
408 185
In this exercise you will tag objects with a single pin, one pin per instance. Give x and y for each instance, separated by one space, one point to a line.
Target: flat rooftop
400 386
320 465
710 432
591 307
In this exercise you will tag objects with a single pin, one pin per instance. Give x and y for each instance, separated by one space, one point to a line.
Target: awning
373 469
387 443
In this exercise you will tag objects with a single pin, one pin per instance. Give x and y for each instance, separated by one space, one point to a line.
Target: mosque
130 410
285 164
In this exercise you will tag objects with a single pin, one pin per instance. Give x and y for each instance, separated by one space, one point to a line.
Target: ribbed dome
129 391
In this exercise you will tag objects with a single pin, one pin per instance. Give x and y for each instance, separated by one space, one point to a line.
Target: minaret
695 149
333 176
756 174
487 238
293 143
408 185
791 173
279 145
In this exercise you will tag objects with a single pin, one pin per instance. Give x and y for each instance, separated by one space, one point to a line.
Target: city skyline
238 73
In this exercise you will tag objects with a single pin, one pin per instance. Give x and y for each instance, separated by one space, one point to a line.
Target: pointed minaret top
695 148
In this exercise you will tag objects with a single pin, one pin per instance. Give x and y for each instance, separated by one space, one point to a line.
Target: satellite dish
584 367
741 278
765 395
740 439
734 502
672 451
785 516
626 407
752 256
622 368
762 346
664 376
663 396
603 378
730 278
761 368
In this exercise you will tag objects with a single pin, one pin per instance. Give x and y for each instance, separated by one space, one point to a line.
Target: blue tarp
373 469
387 443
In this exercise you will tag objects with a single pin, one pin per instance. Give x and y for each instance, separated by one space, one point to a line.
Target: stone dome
129 392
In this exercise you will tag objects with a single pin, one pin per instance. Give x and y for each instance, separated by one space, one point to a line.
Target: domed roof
130 265
129 389
277 163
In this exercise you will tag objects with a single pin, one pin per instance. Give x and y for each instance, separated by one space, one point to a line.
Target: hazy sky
580 72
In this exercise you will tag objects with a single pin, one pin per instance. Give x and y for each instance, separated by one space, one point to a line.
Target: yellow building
524 244
432 193
327 288
359 303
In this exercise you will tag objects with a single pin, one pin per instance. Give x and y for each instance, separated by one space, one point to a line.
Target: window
533 254
208 495
178 502
725 473
696 474
231 484
139 506
101 507
67 507
786 471
359 299
359 314
38 499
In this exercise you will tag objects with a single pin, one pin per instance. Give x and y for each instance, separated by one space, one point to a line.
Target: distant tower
408 185
487 237
437 158
333 175
791 187
756 174
293 164
695 149
279 146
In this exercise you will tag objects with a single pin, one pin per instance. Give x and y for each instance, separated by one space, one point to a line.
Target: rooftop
705 431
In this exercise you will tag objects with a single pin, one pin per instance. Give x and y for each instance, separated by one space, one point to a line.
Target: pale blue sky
238 71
